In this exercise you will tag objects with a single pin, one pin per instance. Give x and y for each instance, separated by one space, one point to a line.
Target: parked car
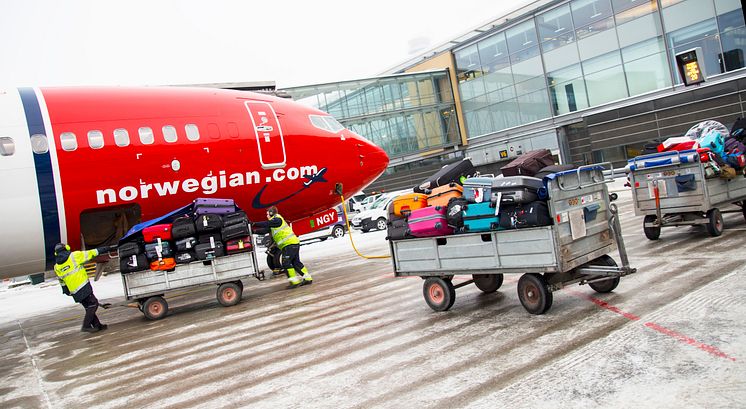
365 204
355 203
376 217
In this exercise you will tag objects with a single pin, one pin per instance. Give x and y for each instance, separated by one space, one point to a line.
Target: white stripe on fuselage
55 164
22 238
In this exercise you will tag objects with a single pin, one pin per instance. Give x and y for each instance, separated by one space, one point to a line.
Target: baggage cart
149 287
575 249
671 189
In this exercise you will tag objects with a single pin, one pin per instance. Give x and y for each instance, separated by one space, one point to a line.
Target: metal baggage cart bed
669 190
149 287
575 249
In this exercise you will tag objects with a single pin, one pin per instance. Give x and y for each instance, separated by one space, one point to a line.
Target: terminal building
591 80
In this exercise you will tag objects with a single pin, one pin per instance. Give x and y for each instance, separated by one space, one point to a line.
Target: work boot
102 327
90 329
293 279
306 276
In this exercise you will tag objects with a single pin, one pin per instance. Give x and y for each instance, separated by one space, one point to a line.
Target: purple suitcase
429 222
213 206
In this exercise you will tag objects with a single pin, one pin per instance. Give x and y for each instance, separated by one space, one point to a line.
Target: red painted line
663 330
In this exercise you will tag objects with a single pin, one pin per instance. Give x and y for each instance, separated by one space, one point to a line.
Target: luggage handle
580 182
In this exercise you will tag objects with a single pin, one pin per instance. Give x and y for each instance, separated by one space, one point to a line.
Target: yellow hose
349 233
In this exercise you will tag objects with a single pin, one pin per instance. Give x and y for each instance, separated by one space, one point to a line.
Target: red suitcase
429 222
155 232
240 245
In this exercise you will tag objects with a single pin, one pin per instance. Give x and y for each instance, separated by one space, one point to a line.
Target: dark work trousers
291 258
90 304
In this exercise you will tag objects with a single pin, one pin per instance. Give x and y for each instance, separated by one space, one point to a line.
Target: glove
64 289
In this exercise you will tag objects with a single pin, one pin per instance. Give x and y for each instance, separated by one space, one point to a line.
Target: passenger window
7 146
213 131
68 141
39 144
169 134
121 137
232 130
192 132
146 135
95 139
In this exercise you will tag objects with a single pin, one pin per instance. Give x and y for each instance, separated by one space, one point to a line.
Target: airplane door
268 134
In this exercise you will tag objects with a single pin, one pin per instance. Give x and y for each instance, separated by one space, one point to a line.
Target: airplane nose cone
372 158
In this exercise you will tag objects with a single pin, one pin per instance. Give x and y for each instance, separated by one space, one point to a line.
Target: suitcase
525 215
447 174
516 189
163 264
185 257
183 227
478 189
548 170
455 212
186 244
442 194
239 245
154 251
480 217
207 251
429 222
235 218
208 222
404 204
529 163
733 145
738 130
135 262
235 231
129 249
209 238
213 206
398 229
155 232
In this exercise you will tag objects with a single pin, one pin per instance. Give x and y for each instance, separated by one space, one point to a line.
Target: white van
376 217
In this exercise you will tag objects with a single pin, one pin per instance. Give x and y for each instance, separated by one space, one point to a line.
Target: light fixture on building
690 65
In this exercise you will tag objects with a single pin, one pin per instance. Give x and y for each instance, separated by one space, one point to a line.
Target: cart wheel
439 293
229 294
155 308
605 286
533 293
715 223
488 283
652 233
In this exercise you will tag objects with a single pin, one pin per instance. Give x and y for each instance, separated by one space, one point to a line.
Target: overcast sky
152 42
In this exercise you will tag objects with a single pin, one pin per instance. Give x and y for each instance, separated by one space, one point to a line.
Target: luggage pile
211 228
722 152
458 200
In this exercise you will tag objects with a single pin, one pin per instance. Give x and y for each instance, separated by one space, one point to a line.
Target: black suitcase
205 238
529 163
186 244
234 218
208 222
233 231
738 130
206 251
154 251
129 249
447 174
183 227
398 229
133 263
525 215
548 170
455 212
185 257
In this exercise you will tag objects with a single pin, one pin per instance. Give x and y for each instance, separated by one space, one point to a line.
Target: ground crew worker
74 281
289 245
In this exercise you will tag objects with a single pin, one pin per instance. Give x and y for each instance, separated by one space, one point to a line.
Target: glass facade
402 114
585 53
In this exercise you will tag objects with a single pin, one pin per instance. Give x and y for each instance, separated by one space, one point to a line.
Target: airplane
81 165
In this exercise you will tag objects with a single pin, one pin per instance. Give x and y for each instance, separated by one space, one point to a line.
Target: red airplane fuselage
119 154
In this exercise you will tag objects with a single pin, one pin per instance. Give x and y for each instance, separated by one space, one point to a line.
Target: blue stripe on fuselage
44 179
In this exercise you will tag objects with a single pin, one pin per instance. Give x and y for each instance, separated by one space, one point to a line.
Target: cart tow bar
616 228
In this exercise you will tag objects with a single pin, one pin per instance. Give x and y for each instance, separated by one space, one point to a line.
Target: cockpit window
7 146
327 123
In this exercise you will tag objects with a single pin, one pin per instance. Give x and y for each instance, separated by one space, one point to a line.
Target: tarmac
672 335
